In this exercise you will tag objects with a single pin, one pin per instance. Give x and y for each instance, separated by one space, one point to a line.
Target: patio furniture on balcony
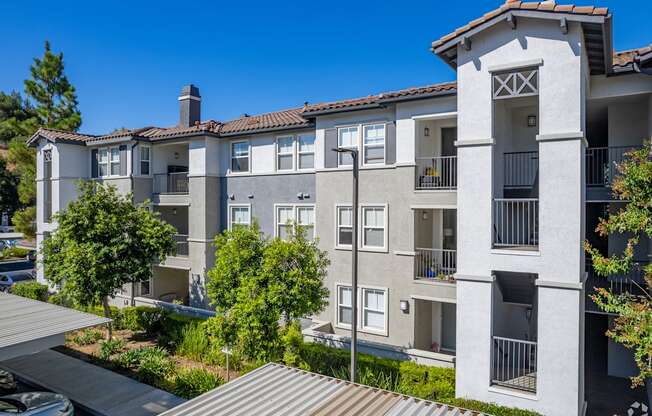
436 264
436 172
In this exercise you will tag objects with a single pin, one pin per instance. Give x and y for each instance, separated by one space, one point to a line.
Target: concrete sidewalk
97 390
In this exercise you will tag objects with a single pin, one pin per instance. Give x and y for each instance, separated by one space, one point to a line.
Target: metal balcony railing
434 263
601 163
182 245
520 169
436 172
171 183
514 363
632 283
516 223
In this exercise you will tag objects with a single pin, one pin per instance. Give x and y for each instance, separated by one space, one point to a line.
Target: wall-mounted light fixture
176 155
426 131
532 120
405 306
174 211
424 215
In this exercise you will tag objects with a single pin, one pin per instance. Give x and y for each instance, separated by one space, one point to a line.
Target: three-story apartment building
475 199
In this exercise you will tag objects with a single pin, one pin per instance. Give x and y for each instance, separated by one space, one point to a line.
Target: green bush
87 337
111 347
61 299
13 252
194 342
152 320
193 382
31 289
489 408
154 369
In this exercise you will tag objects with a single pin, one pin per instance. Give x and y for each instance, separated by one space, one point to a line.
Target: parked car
7 382
5 283
36 403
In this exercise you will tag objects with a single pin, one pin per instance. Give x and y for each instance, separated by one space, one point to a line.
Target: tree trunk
107 314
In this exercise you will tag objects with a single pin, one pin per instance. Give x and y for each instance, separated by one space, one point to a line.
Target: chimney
189 106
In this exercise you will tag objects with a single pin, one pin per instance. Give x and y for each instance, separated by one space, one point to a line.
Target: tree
257 282
51 102
103 241
8 195
633 324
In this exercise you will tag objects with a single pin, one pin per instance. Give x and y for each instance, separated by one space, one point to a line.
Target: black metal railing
601 163
171 183
514 363
516 222
520 169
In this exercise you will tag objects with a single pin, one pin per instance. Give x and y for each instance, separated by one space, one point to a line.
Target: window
306 151
115 161
285 153
144 288
144 160
374 144
240 157
103 162
344 306
344 218
373 309
239 215
303 215
373 227
347 138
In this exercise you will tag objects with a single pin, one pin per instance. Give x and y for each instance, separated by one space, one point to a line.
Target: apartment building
475 198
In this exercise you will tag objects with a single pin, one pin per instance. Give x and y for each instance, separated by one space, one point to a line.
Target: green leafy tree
51 102
633 324
103 241
257 282
8 194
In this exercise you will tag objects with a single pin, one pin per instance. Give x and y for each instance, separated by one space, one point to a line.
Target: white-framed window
145 159
285 153
344 306
306 151
372 308
239 215
374 227
344 226
374 316
347 138
240 156
303 215
103 162
115 161
373 144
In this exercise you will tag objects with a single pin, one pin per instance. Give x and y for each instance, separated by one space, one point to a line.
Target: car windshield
11 406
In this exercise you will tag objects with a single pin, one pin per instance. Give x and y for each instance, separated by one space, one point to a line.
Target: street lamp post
354 261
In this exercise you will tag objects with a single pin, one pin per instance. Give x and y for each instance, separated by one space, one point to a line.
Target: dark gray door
448 137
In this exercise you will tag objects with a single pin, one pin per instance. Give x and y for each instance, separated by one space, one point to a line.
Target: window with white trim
285 153
373 309
103 162
303 215
374 227
347 138
373 144
115 161
239 215
240 157
306 151
344 237
344 305
144 160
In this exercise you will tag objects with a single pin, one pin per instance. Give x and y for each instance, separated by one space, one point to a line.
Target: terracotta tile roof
61 135
545 6
628 57
276 120
374 100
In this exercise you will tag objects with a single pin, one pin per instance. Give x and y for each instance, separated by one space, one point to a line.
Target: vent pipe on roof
189 106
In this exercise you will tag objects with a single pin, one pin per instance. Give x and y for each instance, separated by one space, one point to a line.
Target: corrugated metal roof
277 390
24 320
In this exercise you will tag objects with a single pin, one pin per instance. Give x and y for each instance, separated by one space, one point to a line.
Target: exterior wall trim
515 65
478 142
436 116
471 278
434 299
558 285
578 135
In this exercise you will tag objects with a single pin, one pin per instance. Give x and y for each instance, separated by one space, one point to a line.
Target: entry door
448 137
448 326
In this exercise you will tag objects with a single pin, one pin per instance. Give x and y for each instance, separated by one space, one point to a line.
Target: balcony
514 364
434 173
516 223
632 283
171 183
435 264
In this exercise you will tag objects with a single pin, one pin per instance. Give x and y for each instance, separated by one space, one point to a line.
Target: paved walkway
100 391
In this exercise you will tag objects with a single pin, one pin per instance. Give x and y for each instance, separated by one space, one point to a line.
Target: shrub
489 408
13 252
87 337
193 342
152 320
153 369
130 319
61 299
31 289
111 347
193 382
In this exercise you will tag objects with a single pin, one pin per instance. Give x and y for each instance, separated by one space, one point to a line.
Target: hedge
31 289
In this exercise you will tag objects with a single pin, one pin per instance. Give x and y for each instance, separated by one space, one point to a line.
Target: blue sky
129 60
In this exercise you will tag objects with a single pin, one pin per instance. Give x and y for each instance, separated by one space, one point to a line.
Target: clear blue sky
129 59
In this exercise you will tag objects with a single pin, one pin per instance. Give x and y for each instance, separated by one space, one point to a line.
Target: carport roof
275 390
23 321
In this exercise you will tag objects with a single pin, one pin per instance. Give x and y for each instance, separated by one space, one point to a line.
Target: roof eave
347 109
266 130
425 96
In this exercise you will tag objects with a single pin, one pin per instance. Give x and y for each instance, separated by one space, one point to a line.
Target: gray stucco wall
265 191
392 269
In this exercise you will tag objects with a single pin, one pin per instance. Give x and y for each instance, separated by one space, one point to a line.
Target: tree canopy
257 282
633 324
103 241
